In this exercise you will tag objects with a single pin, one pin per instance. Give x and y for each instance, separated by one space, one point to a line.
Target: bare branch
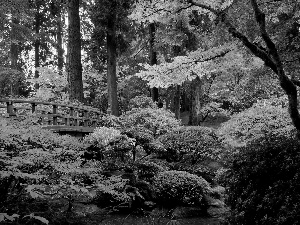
203 6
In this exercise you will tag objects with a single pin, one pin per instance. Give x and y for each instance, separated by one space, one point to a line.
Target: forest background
189 55
227 64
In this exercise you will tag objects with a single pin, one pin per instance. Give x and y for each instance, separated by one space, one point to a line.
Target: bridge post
54 116
10 108
86 118
71 114
33 105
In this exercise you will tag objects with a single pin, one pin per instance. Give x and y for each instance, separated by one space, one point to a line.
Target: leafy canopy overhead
197 63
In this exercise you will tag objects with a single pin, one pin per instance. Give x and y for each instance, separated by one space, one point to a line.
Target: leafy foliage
197 142
147 170
141 101
264 180
267 116
199 63
179 187
158 121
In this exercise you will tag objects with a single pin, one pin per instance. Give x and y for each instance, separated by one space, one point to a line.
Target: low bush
199 142
159 121
140 134
258 121
141 101
107 142
147 170
264 182
181 188
108 120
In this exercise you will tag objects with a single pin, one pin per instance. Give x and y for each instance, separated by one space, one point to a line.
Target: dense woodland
200 111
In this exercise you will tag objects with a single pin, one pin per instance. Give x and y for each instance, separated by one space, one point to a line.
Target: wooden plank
49 103
63 128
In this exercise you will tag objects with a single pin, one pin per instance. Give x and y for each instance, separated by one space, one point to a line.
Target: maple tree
264 44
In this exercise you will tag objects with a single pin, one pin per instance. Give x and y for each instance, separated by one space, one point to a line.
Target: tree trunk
74 67
37 42
177 102
113 106
14 54
153 59
60 51
196 103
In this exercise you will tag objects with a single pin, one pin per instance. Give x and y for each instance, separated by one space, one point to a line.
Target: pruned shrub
181 188
199 142
141 101
108 142
258 121
110 192
264 182
147 170
108 120
159 121
140 134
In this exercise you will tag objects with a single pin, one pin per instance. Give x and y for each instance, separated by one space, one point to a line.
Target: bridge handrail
49 103
54 114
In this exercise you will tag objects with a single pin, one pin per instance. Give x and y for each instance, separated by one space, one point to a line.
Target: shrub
256 122
264 182
36 162
200 142
147 170
103 136
108 142
159 121
110 192
141 101
140 134
180 188
108 120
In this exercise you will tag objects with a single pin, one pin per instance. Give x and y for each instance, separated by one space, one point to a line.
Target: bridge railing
56 114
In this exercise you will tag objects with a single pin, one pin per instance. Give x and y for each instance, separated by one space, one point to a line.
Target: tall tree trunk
37 42
14 54
60 51
196 103
113 106
153 58
177 102
177 51
74 67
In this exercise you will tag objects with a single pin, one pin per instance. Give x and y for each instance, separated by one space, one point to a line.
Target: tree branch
296 82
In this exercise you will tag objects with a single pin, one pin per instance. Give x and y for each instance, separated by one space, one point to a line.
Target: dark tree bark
14 55
60 51
74 67
177 102
196 103
270 55
37 42
177 51
113 105
153 59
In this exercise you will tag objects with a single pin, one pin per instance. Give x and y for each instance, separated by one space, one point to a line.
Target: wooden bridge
64 119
